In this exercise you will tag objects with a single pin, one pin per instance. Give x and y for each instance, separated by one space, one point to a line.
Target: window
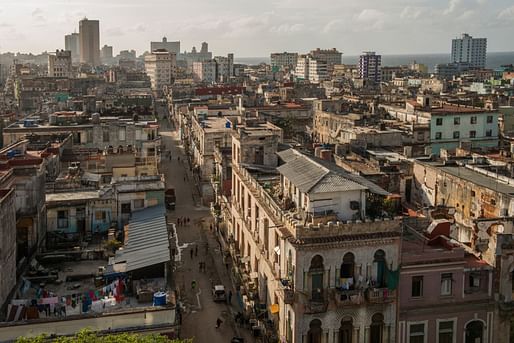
125 208
473 120
439 121
100 216
456 121
122 133
472 134
62 219
445 331
417 286
417 333
474 280
456 134
489 119
105 134
139 203
446 284
488 133
438 135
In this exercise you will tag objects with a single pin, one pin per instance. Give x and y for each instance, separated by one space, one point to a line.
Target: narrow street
197 244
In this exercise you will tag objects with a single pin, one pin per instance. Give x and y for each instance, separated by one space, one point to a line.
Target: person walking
218 323
229 297
196 250
193 285
191 251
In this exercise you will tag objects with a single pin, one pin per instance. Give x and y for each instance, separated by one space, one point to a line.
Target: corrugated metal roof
336 183
147 242
303 173
311 174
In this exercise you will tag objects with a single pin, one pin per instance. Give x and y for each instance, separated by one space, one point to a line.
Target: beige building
306 250
204 71
160 66
7 241
89 42
284 59
59 65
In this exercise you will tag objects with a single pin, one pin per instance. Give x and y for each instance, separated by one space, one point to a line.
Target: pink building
445 294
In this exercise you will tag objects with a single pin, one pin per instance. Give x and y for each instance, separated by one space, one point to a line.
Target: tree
88 336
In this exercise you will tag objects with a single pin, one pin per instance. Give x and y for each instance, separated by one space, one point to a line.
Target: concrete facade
7 244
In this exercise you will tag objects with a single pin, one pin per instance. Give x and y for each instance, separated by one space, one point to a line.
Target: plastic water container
159 299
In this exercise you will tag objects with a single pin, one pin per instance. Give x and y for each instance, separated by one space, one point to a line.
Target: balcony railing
344 298
380 295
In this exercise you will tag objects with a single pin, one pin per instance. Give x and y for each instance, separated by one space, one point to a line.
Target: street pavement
196 243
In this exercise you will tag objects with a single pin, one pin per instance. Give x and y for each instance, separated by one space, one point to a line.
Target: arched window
348 271
474 332
314 334
316 272
376 328
346 330
379 263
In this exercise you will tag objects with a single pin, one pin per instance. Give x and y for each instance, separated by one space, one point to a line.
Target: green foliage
88 336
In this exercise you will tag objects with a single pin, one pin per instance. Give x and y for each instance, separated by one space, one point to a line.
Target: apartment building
439 273
204 71
89 42
301 239
59 65
7 241
311 69
469 50
370 66
284 59
160 66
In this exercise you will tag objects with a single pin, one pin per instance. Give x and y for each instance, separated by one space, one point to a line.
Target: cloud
332 26
287 28
370 20
37 11
452 6
507 13
411 13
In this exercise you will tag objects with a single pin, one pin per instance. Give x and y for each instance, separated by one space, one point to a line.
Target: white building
469 50
59 65
318 70
168 46
308 253
301 71
312 69
284 59
204 71
160 67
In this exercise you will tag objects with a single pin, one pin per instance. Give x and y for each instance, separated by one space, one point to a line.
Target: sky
254 28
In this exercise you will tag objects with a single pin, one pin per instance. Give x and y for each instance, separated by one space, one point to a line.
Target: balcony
380 295
346 298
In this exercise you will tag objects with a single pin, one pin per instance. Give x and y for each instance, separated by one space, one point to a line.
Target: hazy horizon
250 28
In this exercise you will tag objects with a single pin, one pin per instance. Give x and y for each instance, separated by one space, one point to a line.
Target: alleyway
199 319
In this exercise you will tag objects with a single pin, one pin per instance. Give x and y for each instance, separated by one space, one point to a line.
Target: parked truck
170 198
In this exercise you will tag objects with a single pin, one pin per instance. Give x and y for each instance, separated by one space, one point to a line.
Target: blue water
494 59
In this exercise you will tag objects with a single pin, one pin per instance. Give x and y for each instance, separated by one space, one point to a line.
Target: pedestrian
191 251
226 265
184 178
200 266
230 296
218 322
196 250
210 227
178 158
193 285
178 221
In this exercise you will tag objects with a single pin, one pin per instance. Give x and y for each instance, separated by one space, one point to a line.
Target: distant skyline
256 28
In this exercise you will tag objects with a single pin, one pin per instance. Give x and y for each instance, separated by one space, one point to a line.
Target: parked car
218 293
170 198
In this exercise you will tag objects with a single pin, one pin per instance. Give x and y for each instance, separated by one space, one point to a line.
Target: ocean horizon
494 59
